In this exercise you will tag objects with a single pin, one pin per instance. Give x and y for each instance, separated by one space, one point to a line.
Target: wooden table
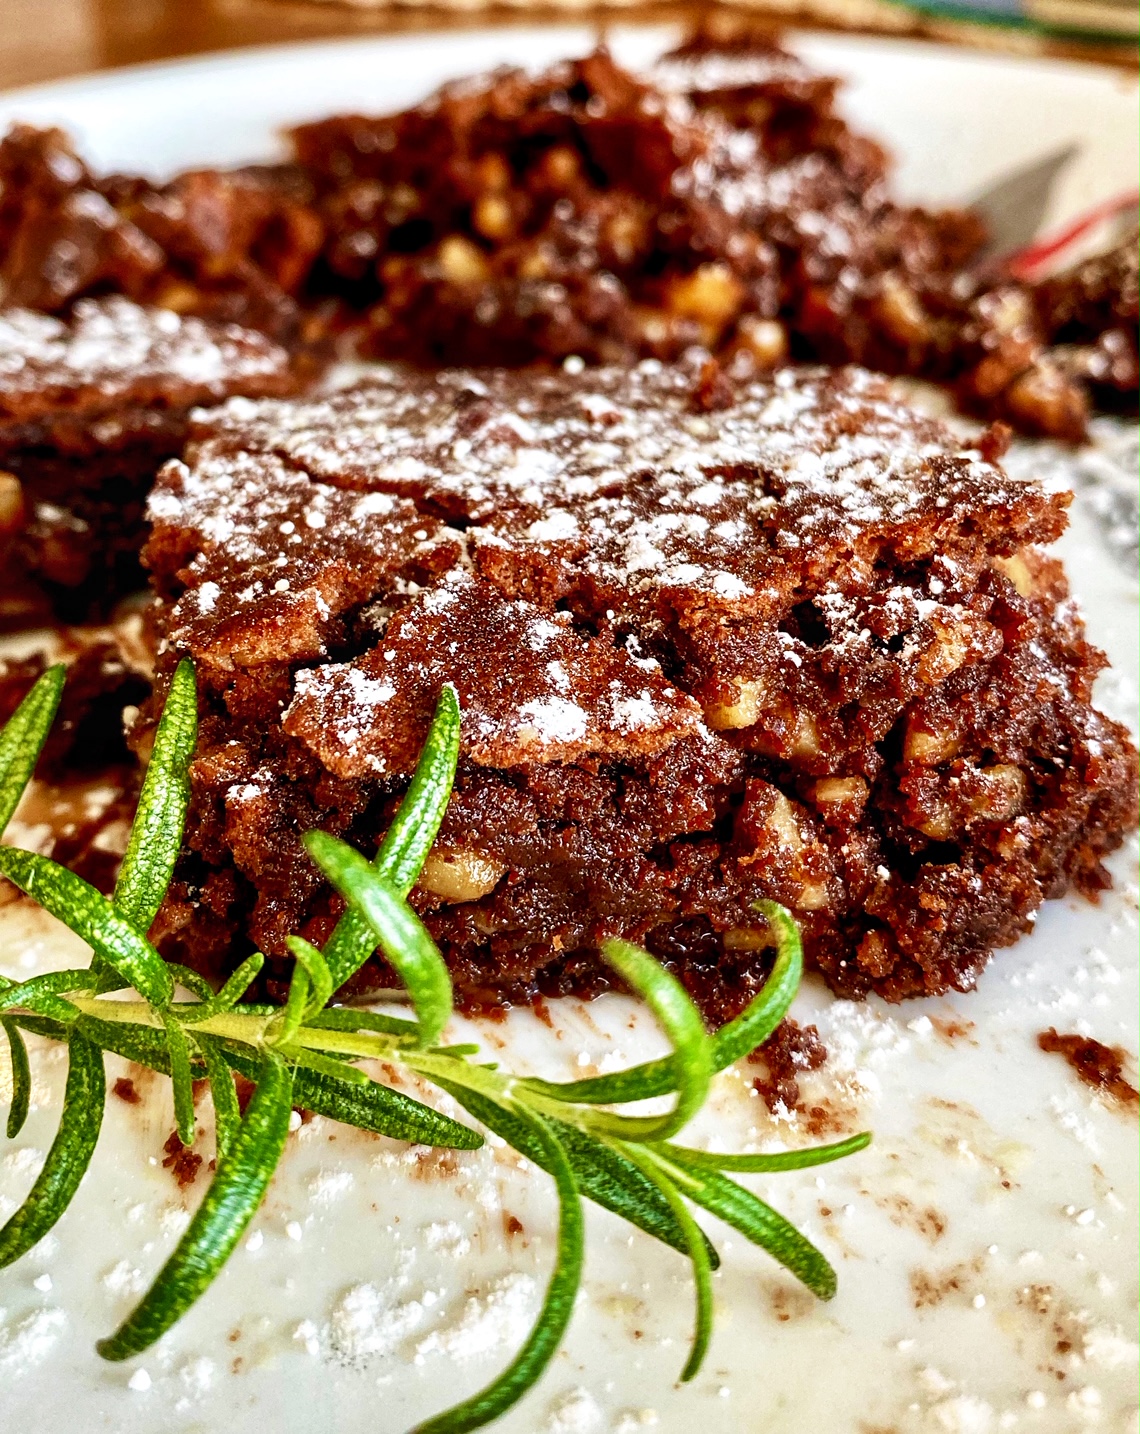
48 39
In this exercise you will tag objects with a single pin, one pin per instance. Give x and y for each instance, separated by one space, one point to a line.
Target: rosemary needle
307 1053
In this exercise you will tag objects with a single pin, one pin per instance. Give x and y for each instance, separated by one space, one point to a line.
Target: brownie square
1090 312
90 408
787 639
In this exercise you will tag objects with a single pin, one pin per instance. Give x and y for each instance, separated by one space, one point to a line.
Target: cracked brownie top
540 540
112 353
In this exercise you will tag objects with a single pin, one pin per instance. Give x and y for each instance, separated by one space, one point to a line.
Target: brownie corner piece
805 646
90 406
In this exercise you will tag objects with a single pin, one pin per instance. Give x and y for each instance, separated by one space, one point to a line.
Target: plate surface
986 1244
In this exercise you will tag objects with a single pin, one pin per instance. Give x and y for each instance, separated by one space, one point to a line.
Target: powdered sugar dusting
253 567
532 689
29 1340
553 719
512 488
626 474
497 1316
368 1320
112 350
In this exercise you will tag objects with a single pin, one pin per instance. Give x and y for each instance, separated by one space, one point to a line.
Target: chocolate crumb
713 389
125 1089
792 1048
994 443
1099 1066
952 1028
245 1089
181 1161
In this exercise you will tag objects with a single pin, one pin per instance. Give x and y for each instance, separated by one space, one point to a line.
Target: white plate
986 1244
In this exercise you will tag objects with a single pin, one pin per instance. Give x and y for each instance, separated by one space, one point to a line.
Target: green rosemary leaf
740 1036
287 1021
317 970
21 1078
753 1218
409 839
43 1025
192 981
23 737
402 936
603 1174
416 824
42 994
702 1269
613 1181
70 1152
767 1009
340 1018
181 1079
255 1008
325 1065
145 1045
236 1191
230 994
373 1107
156 833
385 1111
93 918
227 1114
777 1160
542 1344
105 978
692 1050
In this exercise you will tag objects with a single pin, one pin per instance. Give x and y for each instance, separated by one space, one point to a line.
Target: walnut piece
457 875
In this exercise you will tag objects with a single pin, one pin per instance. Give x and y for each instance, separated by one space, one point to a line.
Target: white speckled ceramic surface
986 1243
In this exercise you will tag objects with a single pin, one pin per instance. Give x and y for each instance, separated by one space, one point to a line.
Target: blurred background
47 39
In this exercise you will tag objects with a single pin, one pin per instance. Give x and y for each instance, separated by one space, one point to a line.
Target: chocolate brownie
230 245
712 643
90 407
590 211
719 199
1091 310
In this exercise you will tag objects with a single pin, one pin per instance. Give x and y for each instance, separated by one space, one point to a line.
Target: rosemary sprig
307 1053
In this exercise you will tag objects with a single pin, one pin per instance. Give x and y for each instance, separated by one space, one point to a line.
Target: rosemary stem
239 1026
132 1013
231 1024
363 1044
499 1086
460 1072
252 1029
